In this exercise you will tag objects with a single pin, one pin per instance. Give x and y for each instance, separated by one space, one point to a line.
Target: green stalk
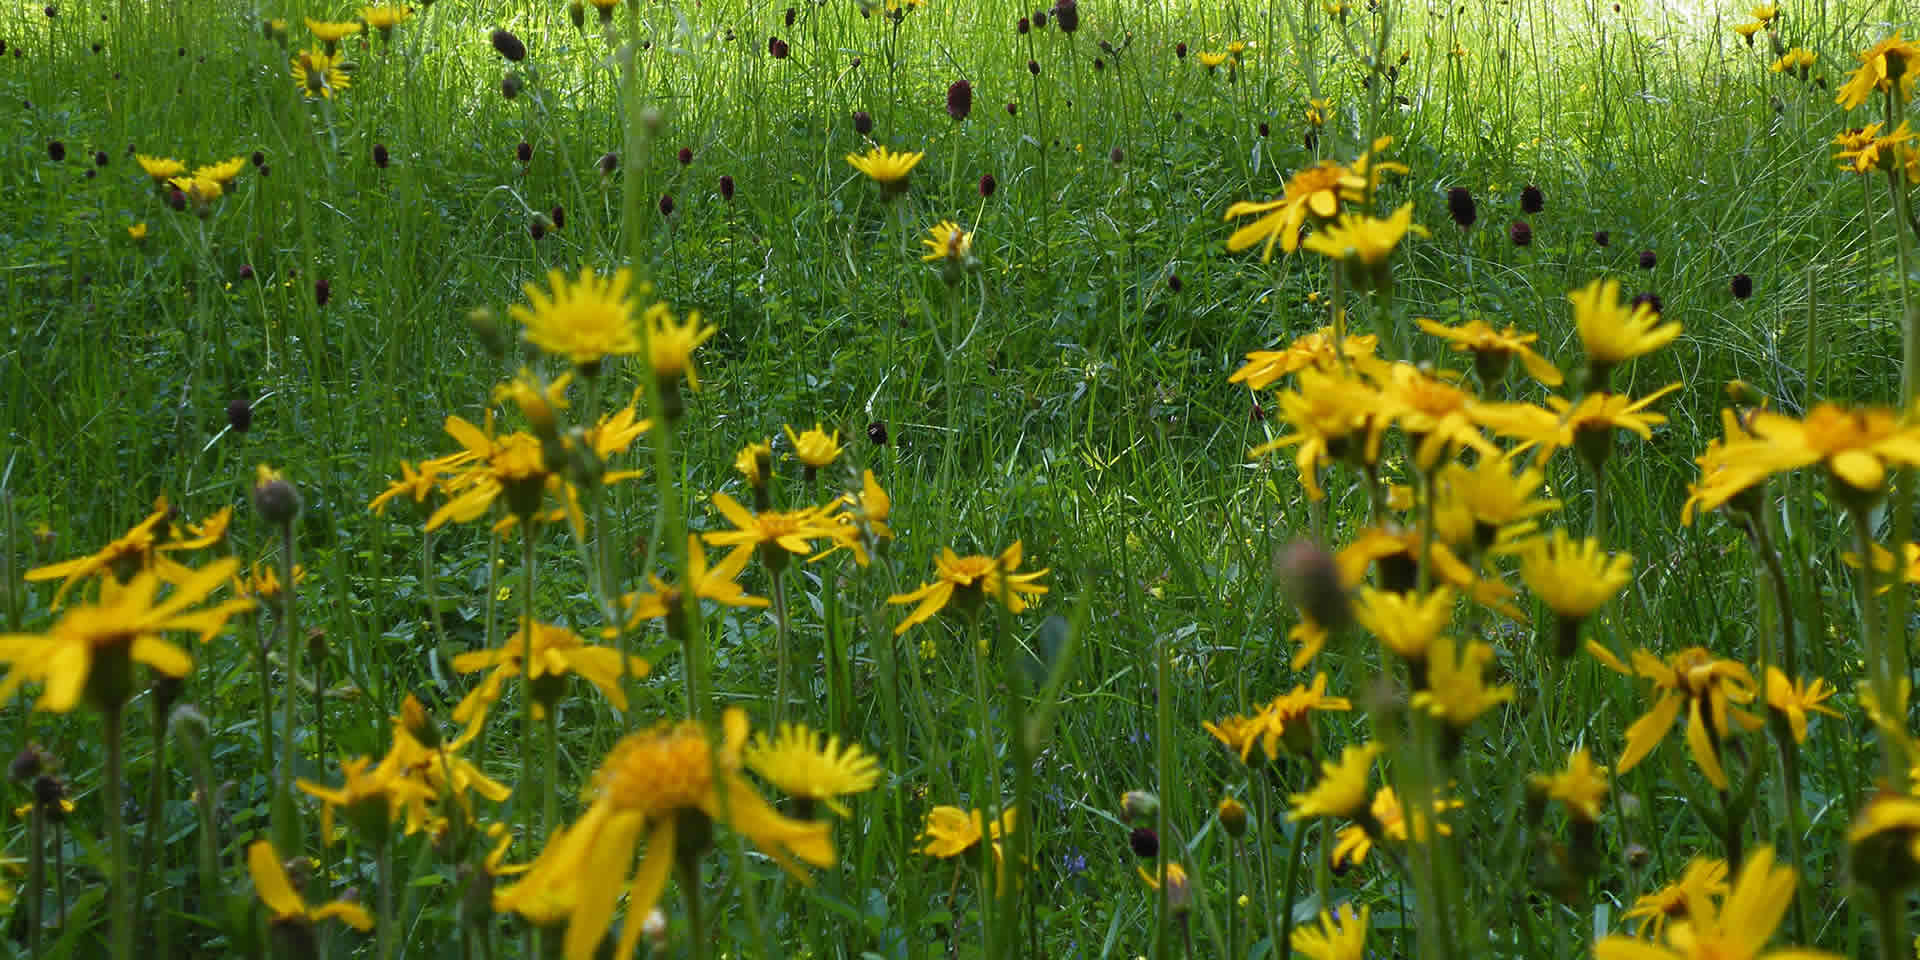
119 894
384 928
783 636
528 530
36 874
1283 940
286 829
1878 674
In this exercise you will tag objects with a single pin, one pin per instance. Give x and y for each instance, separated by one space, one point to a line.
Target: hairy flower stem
783 640
156 803
1294 852
119 892
1879 675
384 928
286 829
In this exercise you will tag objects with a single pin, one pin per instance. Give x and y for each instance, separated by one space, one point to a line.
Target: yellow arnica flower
860 518
414 484
654 785
90 651
385 18
1427 407
812 767
1352 843
1796 59
1404 623
329 32
318 76
1765 13
717 583
1883 563
1285 721
1500 505
1342 789
1457 690
137 232
1365 240
144 547
1700 881
161 169
1314 190
671 342
202 191
1736 929
270 881
371 794
1879 64
1863 155
1340 936
815 448
1582 786
887 168
754 462
1612 332
1211 59
1317 111
1315 350
224 172
1748 29
771 530
1857 447
973 580
1794 699
555 653
1702 683
1721 480
946 241
1174 877
1574 578
952 832
1332 414
1493 349
585 320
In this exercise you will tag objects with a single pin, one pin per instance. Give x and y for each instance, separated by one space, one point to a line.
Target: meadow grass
1068 390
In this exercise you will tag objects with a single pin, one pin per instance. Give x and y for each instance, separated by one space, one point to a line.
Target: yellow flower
1340 936
1365 240
329 32
1174 878
1493 349
1798 59
754 462
1582 786
1721 479
441 772
1309 638
1333 415
973 579
416 484
771 530
1318 110
860 517
1342 789
1702 879
1748 29
1706 686
1765 12
90 650
1574 578
1285 720
1457 690
1211 60
1864 157
224 172
271 883
144 547
717 583
1404 623
812 766
654 785
201 190
385 19
1613 333
161 169
1794 699
1314 190
372 795
946 241
815 447
137 232
1315 350
1879 64
671 343
556 652
1883 563
952 832
1737 929
1857 447
1500 504
1352 843
887 168
584 321
318 75
1428 408
262 583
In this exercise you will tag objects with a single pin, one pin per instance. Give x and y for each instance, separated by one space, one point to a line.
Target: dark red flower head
1521 233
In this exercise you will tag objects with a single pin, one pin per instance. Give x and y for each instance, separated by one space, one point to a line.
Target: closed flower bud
666 204
413 716
1023 26
1461 208
1180 50
1651 299
1532 200
56 151
510 85
1520 233
1139 805
240 416
577 12
862 122
685 156
1066 14
523 152
322 292
1174 283
509 46
559 217
1307 573
28 763
259 159
1233 817
380 156
609 162
988 185
1647 259
877 433
726 187
1144 843
959 100
1600 238
246 271
1741 286
1033 67
1040 19
276 499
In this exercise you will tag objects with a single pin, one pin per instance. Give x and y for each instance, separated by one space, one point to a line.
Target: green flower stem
689 870
156 803
264 674
783 639
528 531
986 786
37 874
1879 675
1294 851
119 893
384 927
1263 822
286 829
1019 747
549 797
208 844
